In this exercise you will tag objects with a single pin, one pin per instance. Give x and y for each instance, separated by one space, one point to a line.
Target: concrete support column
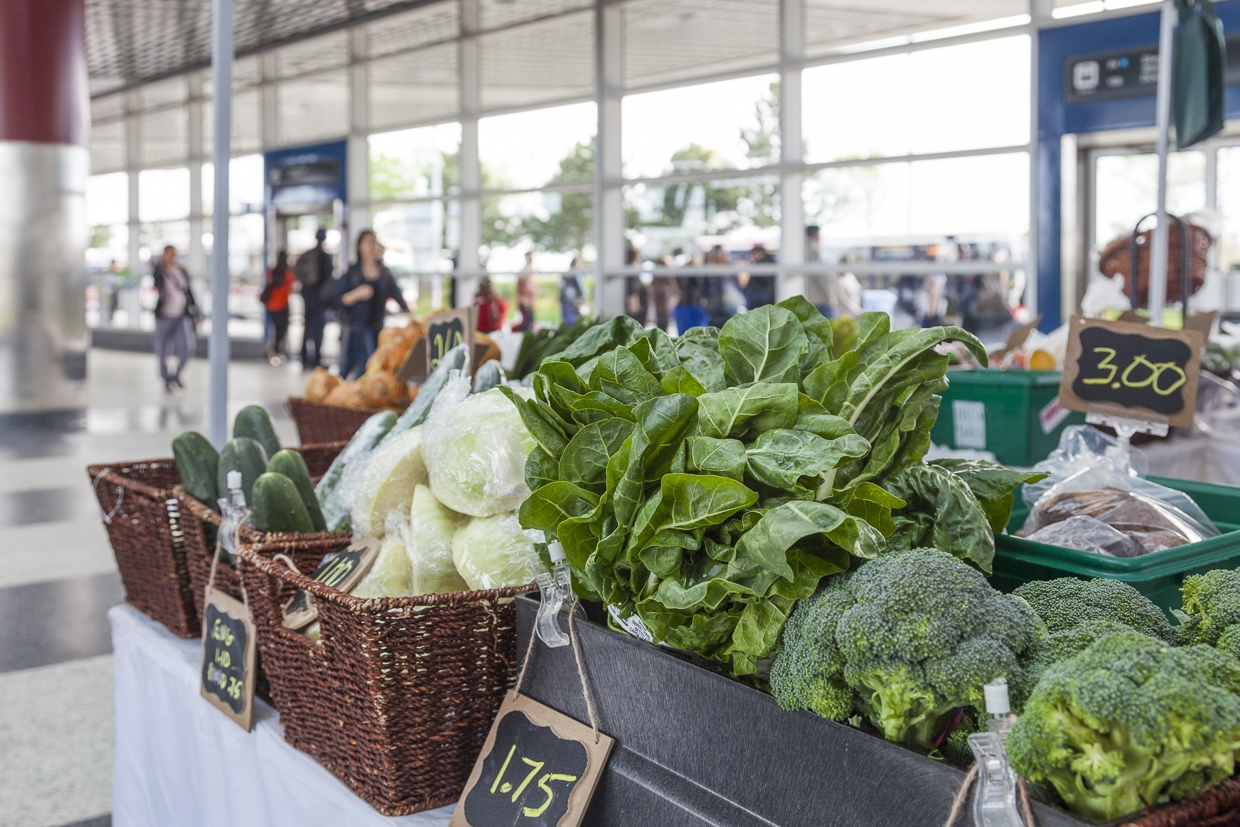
44 161
608 162
468 262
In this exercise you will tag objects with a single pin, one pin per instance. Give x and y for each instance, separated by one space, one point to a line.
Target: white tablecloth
182 763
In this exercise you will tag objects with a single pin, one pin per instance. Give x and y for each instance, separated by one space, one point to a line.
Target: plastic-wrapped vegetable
335 498
493 552
391 575
476 448
432 527
386 484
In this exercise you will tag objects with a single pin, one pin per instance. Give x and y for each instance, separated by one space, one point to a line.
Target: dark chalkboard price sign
1132 370
340 571
228 657
444 331
538 768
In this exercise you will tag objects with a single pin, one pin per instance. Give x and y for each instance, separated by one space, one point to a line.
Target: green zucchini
490 375
290 464
245 455
253 422
197 463
366 438
420 407
277 505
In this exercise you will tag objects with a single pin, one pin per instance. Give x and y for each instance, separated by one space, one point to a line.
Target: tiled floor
58 579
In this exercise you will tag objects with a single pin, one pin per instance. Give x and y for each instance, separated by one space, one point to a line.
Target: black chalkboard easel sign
538 768
1132 370
228 657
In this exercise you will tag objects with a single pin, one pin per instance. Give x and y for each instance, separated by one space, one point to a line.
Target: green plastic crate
1158 576
1011 413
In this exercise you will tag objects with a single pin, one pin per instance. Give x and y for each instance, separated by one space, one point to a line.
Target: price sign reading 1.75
531 774
1132 370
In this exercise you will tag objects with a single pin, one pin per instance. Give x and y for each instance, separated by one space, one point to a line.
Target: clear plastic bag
431 528
1093 475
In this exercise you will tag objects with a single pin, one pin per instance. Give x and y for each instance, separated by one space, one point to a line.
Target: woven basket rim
257 555
114 472
301 400
249 535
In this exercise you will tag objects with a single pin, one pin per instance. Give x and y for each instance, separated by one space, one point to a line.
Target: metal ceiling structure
132 42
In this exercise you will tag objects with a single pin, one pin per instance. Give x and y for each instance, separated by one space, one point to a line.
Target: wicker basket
1117 256
1214 807
200 523
398 696
143 521
319 424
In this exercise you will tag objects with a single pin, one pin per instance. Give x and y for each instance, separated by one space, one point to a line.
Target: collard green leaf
818 333
538 422
735 412
872 504
813 417
663 348
700 356
644 351
680 380
619 331
540 469
762 345
662 425
724 457
992 484
813 527
685 503
589 407
621 375
936 496
793 461
548 507
585 459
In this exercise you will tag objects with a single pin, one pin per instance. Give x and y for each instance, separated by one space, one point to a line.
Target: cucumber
245 455
290 464
277 506
253 422
415 414
490 375
367 436
197 463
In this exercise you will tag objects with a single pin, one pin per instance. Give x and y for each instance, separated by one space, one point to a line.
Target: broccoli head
1059 646
905 639
1229 641
1131 720
1067 602
1212 602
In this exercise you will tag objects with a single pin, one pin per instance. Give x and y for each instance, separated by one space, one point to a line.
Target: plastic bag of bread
320 384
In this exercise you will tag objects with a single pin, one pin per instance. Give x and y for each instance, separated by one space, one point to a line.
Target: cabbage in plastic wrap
432 527
493 552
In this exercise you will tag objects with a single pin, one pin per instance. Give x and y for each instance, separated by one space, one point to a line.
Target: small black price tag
1132 370
340 571
444 331
538 768
228 657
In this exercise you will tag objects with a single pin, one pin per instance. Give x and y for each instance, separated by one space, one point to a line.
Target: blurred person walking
636 291
666 293
315 272
362 295
527 295
759 290
818 286
491 308
275 299
572 292
175 313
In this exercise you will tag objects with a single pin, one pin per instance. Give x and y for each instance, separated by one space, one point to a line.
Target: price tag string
215 561
120 497
581 672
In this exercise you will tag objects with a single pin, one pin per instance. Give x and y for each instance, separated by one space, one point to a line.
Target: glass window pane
415 163
989 196
107 199
673 40
858 202
947 85
531 149
556 226
687 220
313 108
163 194
107 146
246 236
1229 209
108 244
732 124
246 185
416 86
858 109
247 134
163 137
538 62
1126 189
153 236
419 238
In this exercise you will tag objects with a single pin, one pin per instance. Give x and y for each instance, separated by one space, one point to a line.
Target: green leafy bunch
706 484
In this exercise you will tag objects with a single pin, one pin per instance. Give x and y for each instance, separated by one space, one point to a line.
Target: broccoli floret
1230 641
1067 602
1131 720
1212 601
911 636
1059 646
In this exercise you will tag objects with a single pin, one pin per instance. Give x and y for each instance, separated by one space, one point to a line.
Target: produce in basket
391 575
905 640
432 527
337 503
320 384
705 485
290 464
346 394
198 465
1211 609
1066 602
253 422
381 389
277 505
245 455
493 552
1131 722
390 474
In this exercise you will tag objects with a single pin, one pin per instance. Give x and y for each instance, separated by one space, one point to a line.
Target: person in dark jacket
362 295
175 313
315 273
